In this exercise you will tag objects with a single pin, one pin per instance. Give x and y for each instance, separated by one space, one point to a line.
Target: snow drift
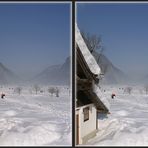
31 119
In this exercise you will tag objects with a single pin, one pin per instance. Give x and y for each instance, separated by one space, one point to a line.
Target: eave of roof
89 59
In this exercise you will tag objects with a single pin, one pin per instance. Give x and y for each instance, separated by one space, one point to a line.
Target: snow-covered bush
53 90
30 91
18 90
128 90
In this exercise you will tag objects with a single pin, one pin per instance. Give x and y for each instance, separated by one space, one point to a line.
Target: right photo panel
111 105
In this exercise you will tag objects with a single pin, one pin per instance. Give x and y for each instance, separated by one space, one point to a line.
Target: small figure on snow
2 95
113 95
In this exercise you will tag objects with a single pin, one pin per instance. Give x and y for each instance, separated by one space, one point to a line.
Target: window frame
86 113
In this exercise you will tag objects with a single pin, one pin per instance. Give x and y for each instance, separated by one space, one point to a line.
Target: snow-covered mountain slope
31 119
55 74
127 125
7 76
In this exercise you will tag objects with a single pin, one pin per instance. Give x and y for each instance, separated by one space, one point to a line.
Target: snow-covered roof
90 60
98 97
102 98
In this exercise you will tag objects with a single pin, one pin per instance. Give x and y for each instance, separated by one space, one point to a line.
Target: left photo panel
35 74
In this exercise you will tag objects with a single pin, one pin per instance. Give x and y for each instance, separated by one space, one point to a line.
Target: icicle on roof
90 60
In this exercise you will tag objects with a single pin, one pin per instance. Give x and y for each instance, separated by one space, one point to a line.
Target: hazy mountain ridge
112 74
60 74
7 76
144 80
55 74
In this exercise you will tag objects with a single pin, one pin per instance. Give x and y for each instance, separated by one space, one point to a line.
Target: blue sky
124 31
34 36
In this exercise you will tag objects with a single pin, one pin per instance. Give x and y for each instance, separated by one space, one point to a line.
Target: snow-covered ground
31 119
127 123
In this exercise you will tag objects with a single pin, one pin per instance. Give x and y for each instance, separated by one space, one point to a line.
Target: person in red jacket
113 95
2 95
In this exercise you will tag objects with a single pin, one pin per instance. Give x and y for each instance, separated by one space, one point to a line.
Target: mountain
112 74
55 74
7 76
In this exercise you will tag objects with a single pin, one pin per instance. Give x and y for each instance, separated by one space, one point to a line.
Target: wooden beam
84 84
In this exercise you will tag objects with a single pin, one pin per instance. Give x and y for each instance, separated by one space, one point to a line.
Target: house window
86 113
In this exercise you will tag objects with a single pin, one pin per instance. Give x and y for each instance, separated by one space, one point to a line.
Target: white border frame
98 2
70 46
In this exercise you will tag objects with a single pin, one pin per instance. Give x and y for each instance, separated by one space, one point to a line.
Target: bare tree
51 90
146 89
128 90
18 90
100 54
93 42
36 88
57 92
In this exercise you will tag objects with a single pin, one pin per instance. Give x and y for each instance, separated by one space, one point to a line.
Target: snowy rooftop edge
90 60
101 96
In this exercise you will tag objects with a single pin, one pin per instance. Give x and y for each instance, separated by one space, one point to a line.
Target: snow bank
37 135
127 125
